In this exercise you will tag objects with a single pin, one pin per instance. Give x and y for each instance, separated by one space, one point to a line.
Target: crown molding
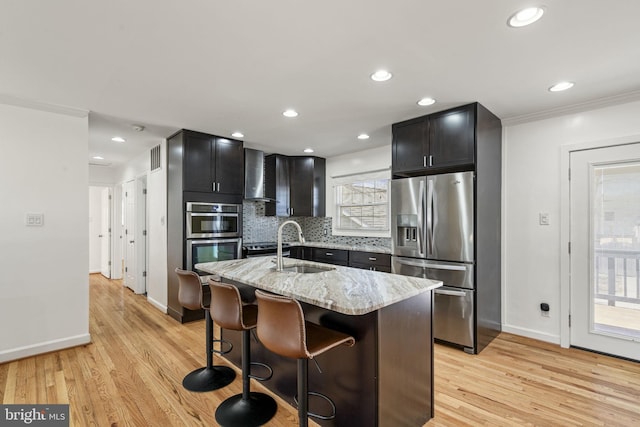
17 101
574 108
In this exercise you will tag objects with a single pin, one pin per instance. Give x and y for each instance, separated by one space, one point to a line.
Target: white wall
44 283
157 215
101 176
95 228
531 184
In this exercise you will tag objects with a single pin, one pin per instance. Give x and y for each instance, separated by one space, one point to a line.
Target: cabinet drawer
331 256
373 267
370 258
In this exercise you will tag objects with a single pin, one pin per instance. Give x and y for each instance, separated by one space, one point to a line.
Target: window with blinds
362 205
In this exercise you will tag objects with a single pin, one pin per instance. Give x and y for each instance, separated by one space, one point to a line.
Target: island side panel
348 374
405 357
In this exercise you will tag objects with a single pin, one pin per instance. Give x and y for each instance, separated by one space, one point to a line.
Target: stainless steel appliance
251 250
206 220
433 237
211 250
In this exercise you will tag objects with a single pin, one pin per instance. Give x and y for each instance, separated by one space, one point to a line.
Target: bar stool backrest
226 306
281 326
189 289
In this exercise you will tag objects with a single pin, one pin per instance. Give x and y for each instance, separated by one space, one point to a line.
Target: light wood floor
131 375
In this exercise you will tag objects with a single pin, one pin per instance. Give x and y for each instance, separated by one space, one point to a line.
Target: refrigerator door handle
429 209
420 231
450 293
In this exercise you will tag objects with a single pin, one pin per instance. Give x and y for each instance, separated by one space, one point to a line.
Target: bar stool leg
210 377
249 408
303 392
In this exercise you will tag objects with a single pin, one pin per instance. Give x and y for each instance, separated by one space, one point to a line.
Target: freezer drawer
454 274
453 316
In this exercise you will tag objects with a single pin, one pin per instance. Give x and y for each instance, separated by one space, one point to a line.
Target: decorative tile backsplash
259 228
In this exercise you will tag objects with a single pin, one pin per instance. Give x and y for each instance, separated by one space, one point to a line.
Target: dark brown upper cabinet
212 164
296 184
437 142
276 185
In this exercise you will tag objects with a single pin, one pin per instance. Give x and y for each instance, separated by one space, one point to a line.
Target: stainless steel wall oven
211 250
206 220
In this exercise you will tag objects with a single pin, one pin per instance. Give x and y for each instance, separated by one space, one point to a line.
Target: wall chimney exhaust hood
254 176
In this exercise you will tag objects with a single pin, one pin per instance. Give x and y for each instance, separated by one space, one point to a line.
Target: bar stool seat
209 377
283 330
248 409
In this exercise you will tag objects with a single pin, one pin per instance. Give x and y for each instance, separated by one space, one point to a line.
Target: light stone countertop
345 290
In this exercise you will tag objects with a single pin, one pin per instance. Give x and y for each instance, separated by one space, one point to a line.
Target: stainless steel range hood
254 175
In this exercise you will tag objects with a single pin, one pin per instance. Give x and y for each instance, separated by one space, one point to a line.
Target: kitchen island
386 379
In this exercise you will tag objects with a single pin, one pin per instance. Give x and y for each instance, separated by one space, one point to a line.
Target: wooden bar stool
248 409
210 377
283 330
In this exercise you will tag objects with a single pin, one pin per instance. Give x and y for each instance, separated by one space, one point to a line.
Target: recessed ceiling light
308 150
525 17
363 136
98 157
290 113
118 139
559 87
237 135
426 101
381 76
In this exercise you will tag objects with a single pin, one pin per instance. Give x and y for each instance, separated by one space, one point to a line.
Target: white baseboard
156 304
45 347
529 333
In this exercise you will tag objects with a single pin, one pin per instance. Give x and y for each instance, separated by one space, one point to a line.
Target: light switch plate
544 218
34 219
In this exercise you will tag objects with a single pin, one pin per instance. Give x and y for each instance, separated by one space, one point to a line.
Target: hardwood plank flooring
131 375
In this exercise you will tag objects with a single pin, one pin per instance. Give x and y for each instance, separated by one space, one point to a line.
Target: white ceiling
219 66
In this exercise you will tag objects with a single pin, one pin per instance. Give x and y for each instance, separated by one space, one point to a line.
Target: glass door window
615 211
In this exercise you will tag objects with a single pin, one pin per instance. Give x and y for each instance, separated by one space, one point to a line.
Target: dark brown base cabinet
356 259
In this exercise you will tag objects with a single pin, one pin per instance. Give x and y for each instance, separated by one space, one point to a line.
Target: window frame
364 177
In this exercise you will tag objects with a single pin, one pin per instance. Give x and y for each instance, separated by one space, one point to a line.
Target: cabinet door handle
430 160
218 186
213 186
373 258
424 161
291 211
328 254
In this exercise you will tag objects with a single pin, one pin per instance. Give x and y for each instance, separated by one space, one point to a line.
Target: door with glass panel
605 250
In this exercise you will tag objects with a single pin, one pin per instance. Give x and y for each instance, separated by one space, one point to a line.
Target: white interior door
141 235
605 249
105 233
130 266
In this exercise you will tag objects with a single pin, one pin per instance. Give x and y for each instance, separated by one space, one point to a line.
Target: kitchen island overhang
387 377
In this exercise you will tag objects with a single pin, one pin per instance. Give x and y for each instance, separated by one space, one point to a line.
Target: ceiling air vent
155 158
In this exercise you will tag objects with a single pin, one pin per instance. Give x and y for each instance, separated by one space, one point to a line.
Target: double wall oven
213 232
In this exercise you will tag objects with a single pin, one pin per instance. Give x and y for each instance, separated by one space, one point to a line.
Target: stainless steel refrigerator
433 237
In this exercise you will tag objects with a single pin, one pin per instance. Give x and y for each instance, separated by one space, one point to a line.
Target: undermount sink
302 268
